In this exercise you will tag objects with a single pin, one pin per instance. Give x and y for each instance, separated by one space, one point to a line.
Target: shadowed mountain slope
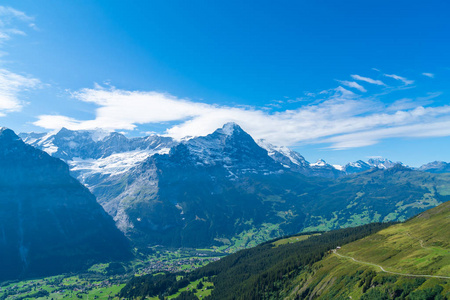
49 222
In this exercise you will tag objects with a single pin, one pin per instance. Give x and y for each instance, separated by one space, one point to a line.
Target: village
100 280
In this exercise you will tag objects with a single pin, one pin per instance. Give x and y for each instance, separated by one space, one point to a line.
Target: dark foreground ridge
49 222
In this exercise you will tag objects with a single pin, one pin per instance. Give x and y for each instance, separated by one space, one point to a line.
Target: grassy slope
418 246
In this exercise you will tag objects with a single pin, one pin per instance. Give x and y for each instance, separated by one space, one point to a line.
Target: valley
369 262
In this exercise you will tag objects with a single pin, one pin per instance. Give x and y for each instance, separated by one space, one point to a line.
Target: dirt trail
420 241
382 269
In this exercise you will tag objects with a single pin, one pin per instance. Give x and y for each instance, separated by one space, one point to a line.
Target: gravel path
382 269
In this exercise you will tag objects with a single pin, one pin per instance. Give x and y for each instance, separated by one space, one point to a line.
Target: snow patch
50 148
338 167
112 165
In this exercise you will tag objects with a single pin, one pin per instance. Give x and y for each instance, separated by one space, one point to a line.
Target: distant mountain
361 166
49 222
323 169
436 167
95 155
356 167
92 144
296 163
382 163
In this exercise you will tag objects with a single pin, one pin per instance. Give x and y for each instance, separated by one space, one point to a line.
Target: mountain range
209 190
99 153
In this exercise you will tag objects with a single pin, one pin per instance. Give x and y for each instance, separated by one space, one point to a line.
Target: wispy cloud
353 84
435 128
11 85
9 21
431 75
335 120
367 79
9 13
403 79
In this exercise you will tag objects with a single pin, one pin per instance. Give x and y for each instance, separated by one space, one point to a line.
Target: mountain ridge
58 144
220 186
49 222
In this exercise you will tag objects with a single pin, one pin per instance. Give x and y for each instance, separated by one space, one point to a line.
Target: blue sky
339 80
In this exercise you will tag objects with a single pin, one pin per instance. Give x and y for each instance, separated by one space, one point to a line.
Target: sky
338 80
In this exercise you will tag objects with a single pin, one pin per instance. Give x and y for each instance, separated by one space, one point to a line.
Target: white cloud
403 79
11 85
343 119
8 22
57 122
434 128
353 84
369 80
9 12
431 75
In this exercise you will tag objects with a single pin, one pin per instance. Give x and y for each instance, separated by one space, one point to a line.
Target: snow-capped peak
381 163
319 163
230 127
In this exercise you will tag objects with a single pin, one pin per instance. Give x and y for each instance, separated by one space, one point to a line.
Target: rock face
203 190
49 222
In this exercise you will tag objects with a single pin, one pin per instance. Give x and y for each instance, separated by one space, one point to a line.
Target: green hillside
417 247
